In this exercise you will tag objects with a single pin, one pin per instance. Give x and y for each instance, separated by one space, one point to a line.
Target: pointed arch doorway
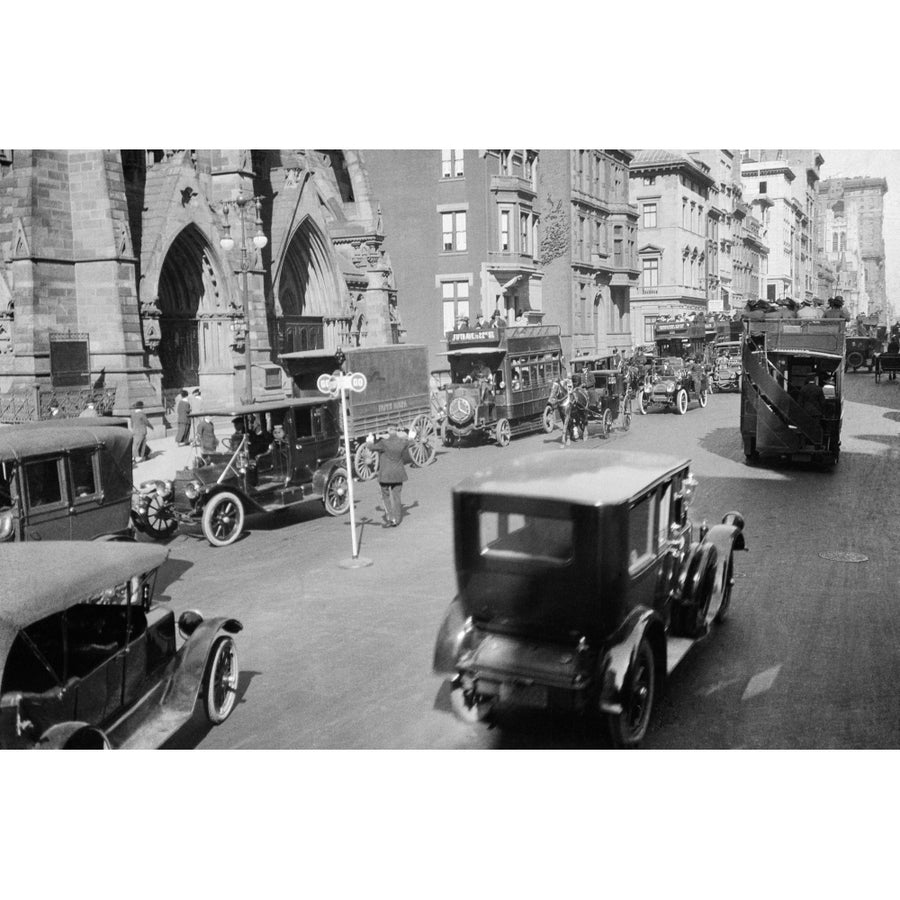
195 320
310 300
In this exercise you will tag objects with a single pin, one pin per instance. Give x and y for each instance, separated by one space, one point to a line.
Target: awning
308 354
472 351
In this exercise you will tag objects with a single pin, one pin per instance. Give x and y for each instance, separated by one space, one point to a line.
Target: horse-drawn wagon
397 392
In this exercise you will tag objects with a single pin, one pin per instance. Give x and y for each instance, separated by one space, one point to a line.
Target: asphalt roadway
341 658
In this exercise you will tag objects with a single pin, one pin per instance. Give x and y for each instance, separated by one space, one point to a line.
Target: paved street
337 658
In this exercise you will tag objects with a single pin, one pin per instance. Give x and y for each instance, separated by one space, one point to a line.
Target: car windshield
514 535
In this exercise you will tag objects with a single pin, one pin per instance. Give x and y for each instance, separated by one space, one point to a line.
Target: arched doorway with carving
195 318
310 310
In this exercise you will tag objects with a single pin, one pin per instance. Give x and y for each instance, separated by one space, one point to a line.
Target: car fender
56 737
725 538
212 490
449 640
184 687
323 473
618 657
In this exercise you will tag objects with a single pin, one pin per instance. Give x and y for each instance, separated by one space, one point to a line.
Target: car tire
548 419
469 707
628 728
855 359
448 437
223 519
336 497
155 523
502 432
220 680
702 398
642 403
606 421
681 402
727 587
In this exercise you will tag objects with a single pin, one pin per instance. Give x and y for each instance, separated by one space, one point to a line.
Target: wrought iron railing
35 403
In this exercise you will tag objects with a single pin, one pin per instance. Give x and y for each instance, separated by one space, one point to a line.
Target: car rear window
515 535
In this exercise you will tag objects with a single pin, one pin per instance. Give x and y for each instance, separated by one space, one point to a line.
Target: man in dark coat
182 422
391 471
812 398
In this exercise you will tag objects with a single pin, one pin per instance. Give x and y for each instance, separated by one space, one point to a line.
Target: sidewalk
165 460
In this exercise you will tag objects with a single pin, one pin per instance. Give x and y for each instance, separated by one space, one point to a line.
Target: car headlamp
6 525
192 491
669 387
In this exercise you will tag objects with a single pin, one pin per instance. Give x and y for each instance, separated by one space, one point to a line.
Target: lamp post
241 204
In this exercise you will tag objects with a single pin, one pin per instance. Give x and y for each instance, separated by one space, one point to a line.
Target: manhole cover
844 556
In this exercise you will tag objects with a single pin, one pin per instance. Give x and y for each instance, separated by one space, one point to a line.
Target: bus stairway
777 399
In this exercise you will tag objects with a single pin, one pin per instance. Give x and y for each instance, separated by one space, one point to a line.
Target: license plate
533 695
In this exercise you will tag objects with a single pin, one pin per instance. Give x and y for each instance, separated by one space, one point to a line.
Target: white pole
353 541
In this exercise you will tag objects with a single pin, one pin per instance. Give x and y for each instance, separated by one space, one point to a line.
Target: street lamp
226 242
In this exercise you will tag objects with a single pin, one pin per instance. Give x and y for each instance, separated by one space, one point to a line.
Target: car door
302 445
89 517
46 500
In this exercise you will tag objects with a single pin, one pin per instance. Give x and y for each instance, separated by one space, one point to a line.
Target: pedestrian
479 322
182 419
836 309
139 426
391 470
54 409
89 412
206 435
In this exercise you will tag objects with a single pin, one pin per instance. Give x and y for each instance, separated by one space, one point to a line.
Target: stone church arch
310 299
195 317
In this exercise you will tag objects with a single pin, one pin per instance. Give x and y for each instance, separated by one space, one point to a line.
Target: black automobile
281 454
580 585
673 384
67 479
89 661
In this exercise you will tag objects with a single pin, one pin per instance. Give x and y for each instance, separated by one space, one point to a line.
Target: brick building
673 192
463 234
588 247
851 220
113 277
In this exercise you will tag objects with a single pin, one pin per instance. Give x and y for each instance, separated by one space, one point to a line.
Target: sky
883 164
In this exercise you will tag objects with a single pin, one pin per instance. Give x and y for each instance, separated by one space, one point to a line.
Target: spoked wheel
726 589
606 421
469 706
629 728
223 519
423 447
642 403
155 520
221 681
448 438
626 420
337 493
365 462
681 402
702 398
548 420
503 432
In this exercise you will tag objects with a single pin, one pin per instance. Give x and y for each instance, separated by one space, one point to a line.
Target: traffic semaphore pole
356 561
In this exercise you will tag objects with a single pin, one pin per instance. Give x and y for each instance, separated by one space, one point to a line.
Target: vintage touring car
580 585
67 479
672 385
297 458
89 661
